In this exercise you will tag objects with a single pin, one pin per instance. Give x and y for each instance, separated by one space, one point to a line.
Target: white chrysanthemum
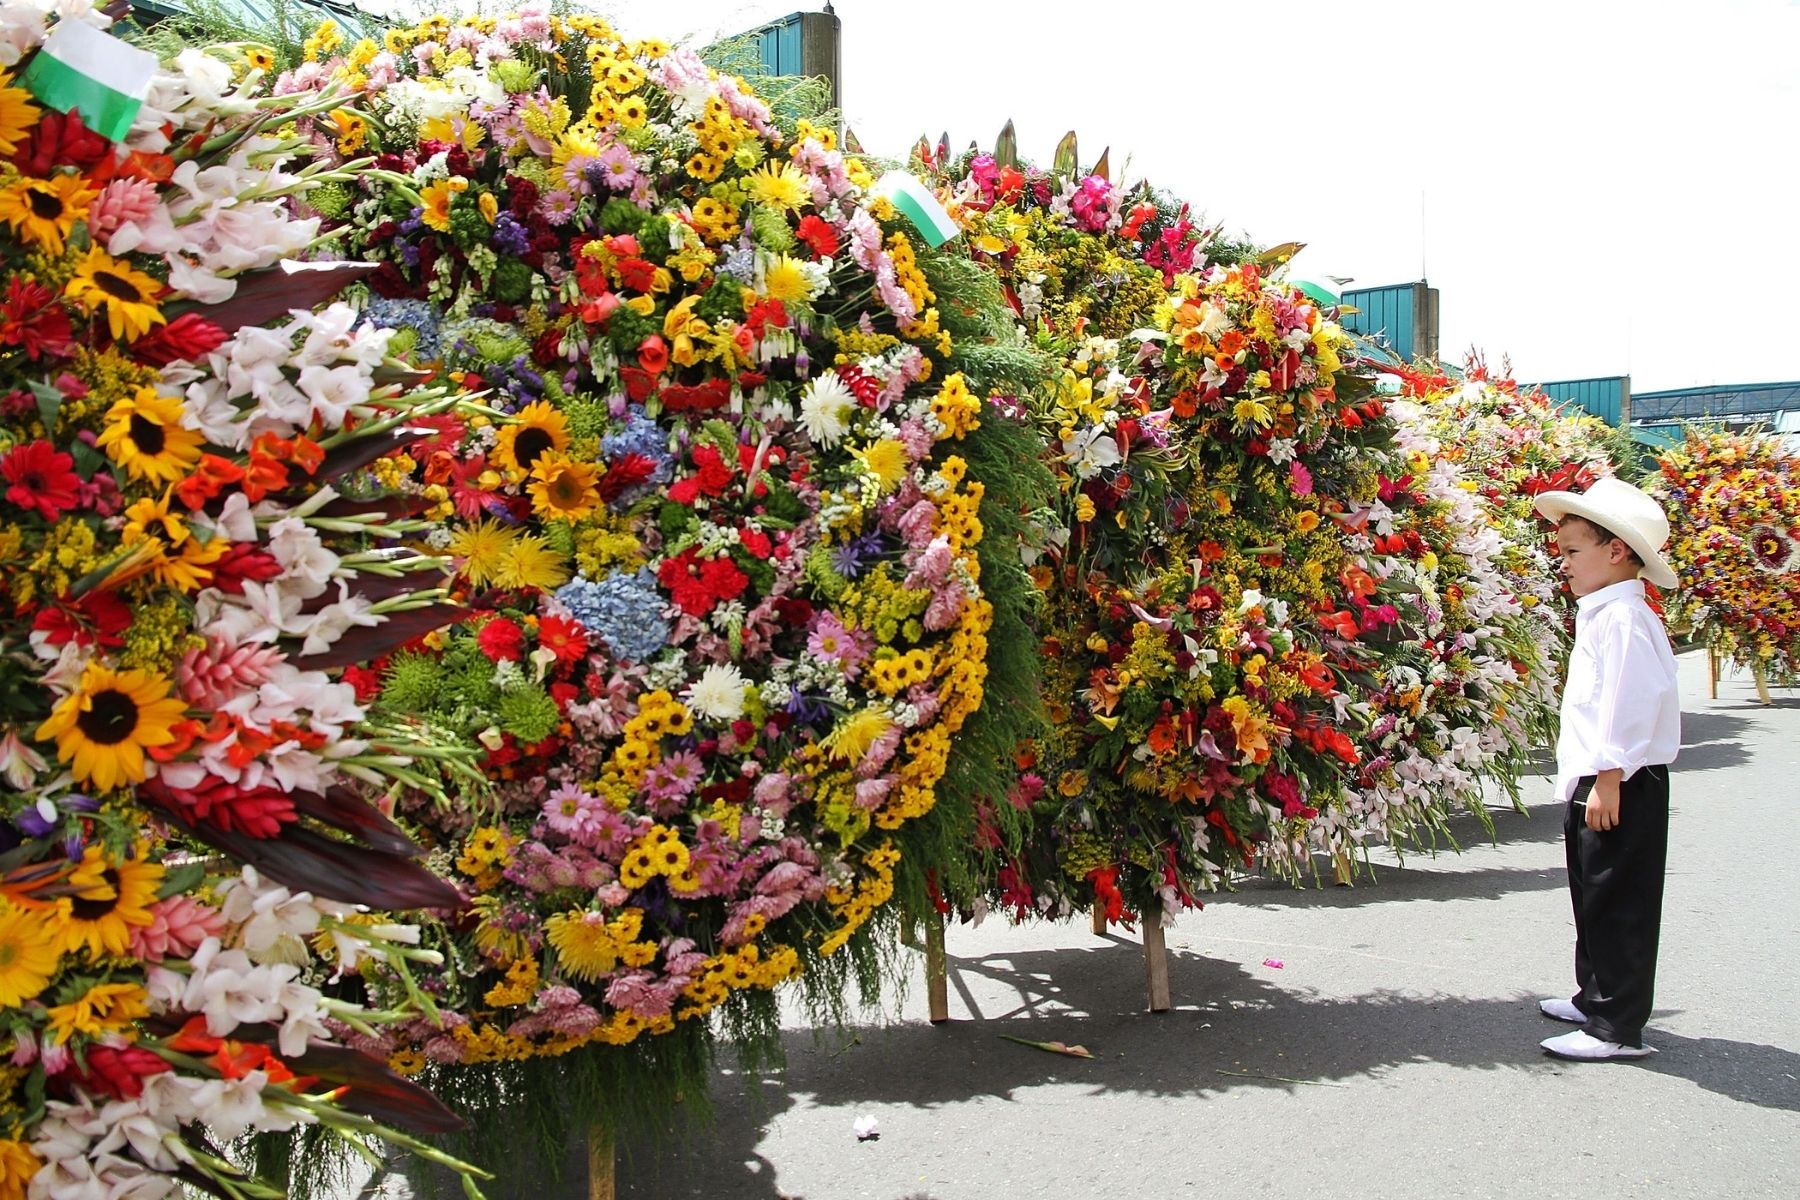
825 409
718 695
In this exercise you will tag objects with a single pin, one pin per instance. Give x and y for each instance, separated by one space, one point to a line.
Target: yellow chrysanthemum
128 295
29 952
144 435
44 210
17 1165
538 428
787 279
104 726
585 947
563 489
779 185
103 1008
851 740
886 460
483 547
531 562
17 115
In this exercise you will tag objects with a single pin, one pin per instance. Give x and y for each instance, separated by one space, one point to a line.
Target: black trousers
1616 884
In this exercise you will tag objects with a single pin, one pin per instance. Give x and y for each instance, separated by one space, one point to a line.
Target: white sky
1608 187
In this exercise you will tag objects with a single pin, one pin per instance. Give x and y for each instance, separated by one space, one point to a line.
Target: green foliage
791 98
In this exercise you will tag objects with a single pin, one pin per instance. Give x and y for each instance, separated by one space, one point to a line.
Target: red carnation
819 236
366 681
756 542
42 479
502 640
710 478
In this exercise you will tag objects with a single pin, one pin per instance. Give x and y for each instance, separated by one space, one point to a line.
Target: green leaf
1006 149
49 405
1064 162
184 878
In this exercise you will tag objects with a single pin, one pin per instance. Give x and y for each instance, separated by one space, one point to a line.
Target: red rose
653 354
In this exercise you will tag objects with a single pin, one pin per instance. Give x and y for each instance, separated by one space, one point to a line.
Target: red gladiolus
1106 892
41 479
211 476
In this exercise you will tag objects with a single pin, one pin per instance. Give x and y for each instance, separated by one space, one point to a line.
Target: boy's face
1590 563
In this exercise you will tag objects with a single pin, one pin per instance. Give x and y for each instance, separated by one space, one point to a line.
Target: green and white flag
79 67
921 207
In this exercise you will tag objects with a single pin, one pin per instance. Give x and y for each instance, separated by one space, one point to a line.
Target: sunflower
259 58
107 722
103 1008
537 428
111 896
128 295
144 435
17 115
483 546
530 562
563 489
44 210
28 955
779 185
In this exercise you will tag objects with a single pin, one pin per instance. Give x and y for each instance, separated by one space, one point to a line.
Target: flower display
724 521
1733 500
192 550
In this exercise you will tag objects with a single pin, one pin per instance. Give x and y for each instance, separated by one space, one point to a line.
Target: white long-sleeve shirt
1620 706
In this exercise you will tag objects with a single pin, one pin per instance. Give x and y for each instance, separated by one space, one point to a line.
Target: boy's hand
1603 802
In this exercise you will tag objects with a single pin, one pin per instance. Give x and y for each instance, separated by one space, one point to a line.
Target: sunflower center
118 287
567 492
148 436
92 910
111 717
45 206
530 443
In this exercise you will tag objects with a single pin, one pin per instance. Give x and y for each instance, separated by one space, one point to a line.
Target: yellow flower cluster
895 674
907 273
744 967
855 905
957 409
486 853
659 852
589 946
520 985
659 714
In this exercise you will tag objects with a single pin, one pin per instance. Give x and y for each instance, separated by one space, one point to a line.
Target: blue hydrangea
624 610
421 316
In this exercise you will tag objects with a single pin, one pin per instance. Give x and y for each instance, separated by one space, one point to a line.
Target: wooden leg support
601 1181
937 990
1762 687
1712 672
1341 869
1156 963
1099 919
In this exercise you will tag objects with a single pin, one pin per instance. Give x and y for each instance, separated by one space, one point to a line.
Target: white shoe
1558 1009
1585 1047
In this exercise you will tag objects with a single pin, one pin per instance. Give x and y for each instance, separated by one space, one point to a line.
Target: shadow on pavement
1710 741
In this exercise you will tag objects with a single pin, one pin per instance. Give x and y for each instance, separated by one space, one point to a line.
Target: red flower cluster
697 586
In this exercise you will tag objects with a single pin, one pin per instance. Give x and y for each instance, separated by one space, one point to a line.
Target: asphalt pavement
1374 1041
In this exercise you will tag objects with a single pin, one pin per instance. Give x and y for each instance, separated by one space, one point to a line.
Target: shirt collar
1631 588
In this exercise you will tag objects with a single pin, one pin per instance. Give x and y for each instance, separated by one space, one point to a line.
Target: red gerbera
818 235
565 638
42 479
98 617
33 317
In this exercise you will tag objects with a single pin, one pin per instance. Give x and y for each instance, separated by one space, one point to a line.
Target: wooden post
937 989
1712 672
601 1180
1762 686
1156 963
1099 915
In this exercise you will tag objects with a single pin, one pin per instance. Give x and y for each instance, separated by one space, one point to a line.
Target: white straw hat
1627 513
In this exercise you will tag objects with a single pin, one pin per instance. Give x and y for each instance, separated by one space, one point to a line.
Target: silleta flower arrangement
187 856
723 525
1733 501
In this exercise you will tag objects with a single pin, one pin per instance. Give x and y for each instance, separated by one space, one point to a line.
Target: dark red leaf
265 296
360 644
343 809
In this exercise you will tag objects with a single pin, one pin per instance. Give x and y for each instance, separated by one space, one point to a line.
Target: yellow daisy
44 210
105 725
128 295
144 435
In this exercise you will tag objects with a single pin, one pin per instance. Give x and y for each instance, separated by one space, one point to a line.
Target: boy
1621 728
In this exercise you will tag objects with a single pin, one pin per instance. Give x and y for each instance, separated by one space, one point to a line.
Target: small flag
80 68
920 206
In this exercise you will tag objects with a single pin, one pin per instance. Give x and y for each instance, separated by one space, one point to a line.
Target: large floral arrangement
190 553
726 524
1733 500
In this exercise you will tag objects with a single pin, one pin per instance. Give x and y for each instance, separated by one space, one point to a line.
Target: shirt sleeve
1632 687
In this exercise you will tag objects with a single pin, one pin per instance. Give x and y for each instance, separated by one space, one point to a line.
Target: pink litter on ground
1274 962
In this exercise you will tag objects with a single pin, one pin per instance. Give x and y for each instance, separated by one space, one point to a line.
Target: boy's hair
1604 535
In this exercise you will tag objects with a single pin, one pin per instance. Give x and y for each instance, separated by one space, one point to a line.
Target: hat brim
1557 505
